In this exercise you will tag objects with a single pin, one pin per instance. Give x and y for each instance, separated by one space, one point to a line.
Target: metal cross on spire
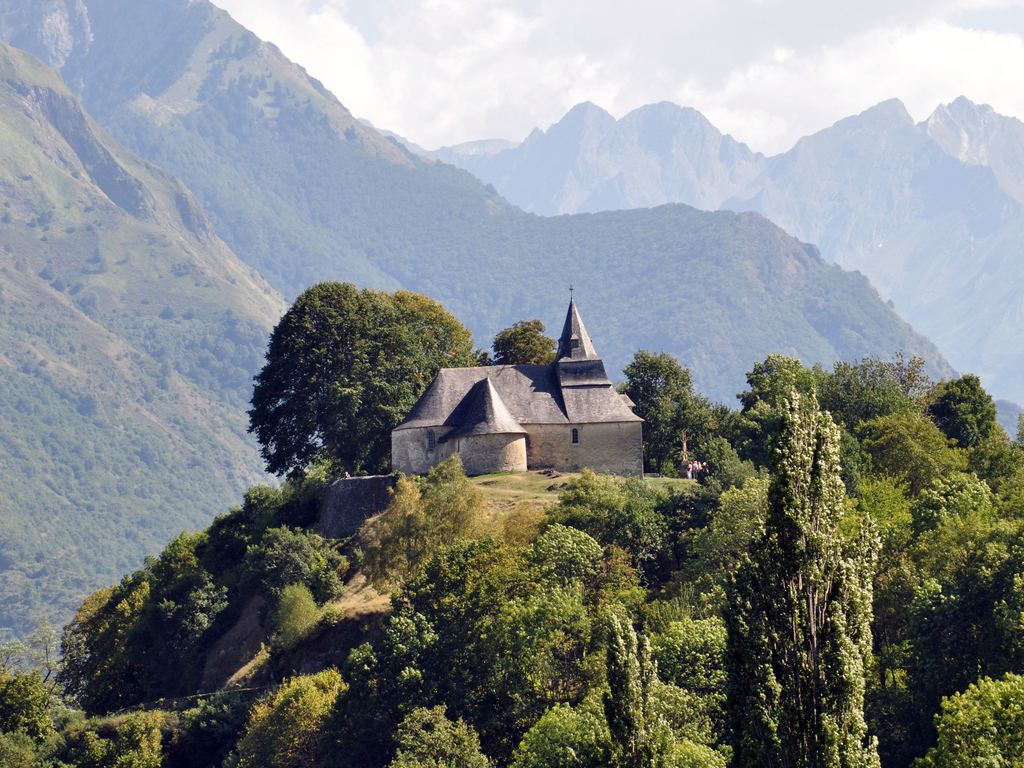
570 291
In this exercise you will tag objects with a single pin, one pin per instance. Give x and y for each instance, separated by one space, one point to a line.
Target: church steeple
575 344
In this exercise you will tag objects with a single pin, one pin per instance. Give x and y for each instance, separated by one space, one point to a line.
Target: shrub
428 739
296 614
423 516
24 704
284 729
983 726
286 557
210 730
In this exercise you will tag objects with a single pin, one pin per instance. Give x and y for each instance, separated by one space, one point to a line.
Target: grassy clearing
543 486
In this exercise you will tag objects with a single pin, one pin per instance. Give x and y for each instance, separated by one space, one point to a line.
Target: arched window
575 436
431 443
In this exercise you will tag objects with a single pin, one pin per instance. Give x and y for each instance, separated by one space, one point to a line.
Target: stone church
511 418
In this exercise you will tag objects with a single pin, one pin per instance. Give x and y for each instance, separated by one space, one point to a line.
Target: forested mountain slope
931 213
303 192
129 334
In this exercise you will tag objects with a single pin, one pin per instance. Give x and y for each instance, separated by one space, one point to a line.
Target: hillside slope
128 337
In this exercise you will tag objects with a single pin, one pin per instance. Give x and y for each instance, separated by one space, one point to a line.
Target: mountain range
931 212
302 191
188 177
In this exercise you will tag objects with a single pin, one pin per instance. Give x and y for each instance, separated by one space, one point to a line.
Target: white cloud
767 71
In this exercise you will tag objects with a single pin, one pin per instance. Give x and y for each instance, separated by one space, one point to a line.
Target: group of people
694 468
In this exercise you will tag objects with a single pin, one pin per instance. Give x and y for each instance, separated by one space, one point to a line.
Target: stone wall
350 501
615 447
409 452
483 454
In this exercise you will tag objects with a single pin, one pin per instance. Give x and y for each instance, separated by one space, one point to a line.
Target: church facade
512 418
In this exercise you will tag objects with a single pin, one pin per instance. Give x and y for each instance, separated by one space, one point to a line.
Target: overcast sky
767 71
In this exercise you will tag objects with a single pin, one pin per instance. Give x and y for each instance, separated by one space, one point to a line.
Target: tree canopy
343 369
663 396
524 344
799 636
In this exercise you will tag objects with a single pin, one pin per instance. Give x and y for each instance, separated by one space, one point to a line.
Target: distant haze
931 212
765 72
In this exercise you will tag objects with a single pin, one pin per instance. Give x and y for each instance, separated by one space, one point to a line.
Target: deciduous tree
663 396
798 620
524 344
343 369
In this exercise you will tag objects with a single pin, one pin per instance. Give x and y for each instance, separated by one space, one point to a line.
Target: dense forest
842 584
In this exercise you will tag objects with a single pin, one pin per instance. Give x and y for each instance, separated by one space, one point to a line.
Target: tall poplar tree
640 737
799 613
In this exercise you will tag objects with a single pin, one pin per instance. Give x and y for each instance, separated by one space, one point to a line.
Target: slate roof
485 414
575 344
574 391
530 392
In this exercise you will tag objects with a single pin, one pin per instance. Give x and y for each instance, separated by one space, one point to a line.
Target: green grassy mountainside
128 337
304 192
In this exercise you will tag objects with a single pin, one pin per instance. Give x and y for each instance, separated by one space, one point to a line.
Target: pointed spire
575 344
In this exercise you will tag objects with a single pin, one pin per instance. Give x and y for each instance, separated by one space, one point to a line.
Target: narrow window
430 440
575 436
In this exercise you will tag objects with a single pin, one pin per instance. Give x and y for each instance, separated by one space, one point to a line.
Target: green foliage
566 555
285 557
627 514
690 655
773 381
997 460
423 515
428 739
719 547
573 737
24 703
764 404
496 632
143 637
799 637
385 683
982 726
910 448
966 615
296 614
208 732
284 730
524 344
639 736
964 411
543 650
725 468
343 369
136 742
959 494
858 392
663 396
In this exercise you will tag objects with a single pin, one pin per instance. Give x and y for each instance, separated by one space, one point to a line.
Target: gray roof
574 391
485 414
575 344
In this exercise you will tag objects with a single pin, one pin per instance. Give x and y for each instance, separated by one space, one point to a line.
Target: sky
441 72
